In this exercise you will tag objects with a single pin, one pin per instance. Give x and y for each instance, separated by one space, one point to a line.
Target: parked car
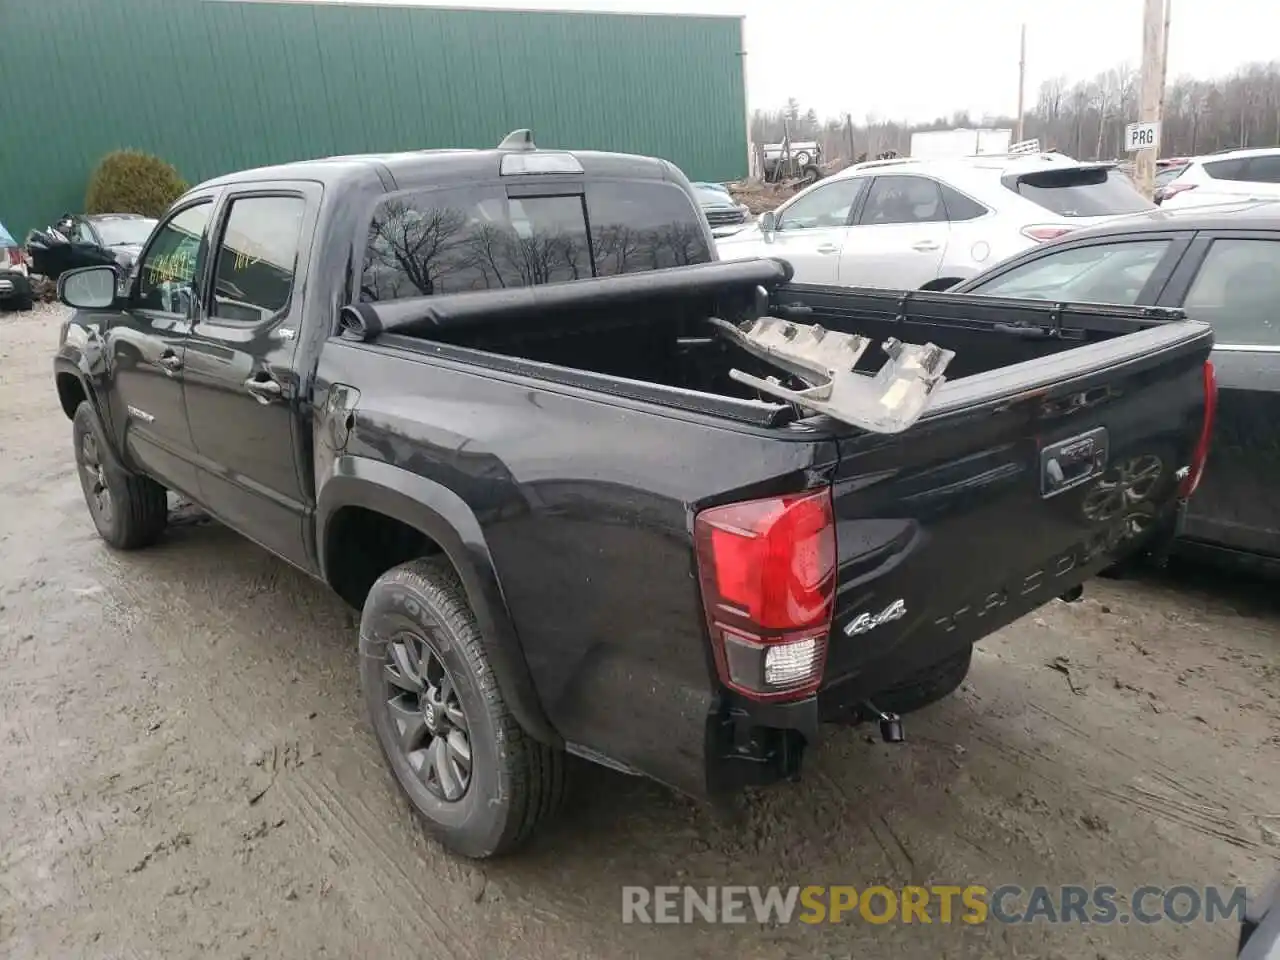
1222 265
1226 177
1260 928
80 241
725 215
15 285
929 224
571 524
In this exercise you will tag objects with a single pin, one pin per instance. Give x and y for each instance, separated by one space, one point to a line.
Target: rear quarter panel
586 508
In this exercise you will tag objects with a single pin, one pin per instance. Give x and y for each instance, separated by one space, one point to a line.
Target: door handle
170 361
264 391
924 246
828 248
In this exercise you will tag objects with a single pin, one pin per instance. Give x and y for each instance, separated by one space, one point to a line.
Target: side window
903 200
829 205
167 278
1226 169
1238 291
1102 273
958 206
1263 169
81 233
257 258
430 242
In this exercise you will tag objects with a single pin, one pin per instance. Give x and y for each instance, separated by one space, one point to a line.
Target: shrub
130 181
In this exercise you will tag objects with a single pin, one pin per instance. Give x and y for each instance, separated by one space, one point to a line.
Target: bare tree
1085 118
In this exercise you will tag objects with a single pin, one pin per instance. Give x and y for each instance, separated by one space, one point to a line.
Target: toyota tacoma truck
596 493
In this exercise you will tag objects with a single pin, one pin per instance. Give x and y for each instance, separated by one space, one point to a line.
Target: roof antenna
518 140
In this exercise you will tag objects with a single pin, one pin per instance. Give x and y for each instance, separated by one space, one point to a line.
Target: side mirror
768 222
89 288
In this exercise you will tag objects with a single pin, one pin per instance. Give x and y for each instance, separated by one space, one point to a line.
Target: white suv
907 224
1225 178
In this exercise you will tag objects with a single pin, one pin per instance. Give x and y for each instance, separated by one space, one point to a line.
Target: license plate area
1068 463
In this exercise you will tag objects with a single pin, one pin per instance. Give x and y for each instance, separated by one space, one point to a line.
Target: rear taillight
1044 232
17 256
1200 456
768 574
1174 188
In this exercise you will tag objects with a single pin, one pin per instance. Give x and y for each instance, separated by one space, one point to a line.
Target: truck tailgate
1016 487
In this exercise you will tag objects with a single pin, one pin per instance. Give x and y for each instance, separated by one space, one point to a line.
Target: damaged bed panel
889 402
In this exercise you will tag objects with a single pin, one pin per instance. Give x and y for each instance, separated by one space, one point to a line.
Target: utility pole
1022 79
1164 55
1151 90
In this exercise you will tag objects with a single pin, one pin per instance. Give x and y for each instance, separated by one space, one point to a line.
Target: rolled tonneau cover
423 315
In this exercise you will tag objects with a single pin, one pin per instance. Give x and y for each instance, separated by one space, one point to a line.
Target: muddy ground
185 770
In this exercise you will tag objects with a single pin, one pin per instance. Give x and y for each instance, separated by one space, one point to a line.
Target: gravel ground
185 770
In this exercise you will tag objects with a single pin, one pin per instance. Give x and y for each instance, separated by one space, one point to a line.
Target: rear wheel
128 511
480 783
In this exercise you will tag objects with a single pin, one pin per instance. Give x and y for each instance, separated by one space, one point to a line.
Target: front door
900 237
241 386
810 231
147 345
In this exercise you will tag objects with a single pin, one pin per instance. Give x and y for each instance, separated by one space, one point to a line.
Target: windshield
1080 192
1167 174
130 232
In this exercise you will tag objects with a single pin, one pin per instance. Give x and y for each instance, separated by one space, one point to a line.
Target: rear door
1232 281
900 238
243 393
812 230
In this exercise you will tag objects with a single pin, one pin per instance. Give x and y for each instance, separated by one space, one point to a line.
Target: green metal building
218 85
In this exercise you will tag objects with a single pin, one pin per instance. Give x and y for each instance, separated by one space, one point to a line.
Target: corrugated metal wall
217 85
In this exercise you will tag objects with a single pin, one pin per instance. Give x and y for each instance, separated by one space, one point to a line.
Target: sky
920 59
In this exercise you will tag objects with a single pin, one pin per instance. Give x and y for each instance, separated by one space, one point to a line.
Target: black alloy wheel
423 707
93 480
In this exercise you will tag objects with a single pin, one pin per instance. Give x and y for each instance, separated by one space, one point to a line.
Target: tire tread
536 771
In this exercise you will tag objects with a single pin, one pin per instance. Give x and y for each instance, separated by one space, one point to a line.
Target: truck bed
648 335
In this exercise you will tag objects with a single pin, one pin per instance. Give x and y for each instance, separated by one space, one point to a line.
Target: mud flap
888 402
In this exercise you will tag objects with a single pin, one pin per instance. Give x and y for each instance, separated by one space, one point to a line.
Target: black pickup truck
595 492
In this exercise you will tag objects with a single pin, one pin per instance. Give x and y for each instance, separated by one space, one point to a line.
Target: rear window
423 243
1080 192
1236 291
1101 273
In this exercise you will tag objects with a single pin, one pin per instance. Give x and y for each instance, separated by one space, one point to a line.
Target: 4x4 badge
866 622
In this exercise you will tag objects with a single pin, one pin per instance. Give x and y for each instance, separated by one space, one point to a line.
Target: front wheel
129 511
478 780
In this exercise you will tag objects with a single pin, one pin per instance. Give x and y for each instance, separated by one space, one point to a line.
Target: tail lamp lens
767 570
1200 456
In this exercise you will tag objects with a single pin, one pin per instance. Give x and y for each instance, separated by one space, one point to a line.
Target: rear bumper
14 285
753 743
